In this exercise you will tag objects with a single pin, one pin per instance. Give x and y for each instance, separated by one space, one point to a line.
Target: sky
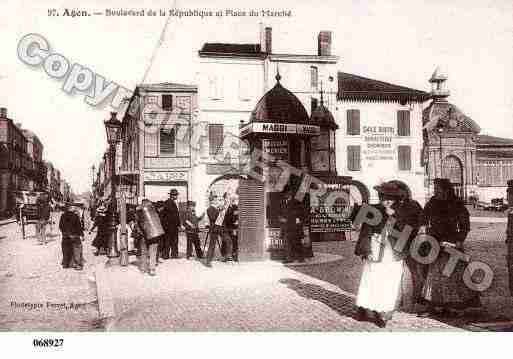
395 41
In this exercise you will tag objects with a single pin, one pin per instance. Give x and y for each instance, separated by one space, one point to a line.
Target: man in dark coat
192 230
72 234
171 224
214 231
231 224
292 218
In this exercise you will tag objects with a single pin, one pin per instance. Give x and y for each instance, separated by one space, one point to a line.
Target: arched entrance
225 183
453 170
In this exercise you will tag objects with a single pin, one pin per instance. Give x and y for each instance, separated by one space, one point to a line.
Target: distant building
476 164
36 168
380 135
14 162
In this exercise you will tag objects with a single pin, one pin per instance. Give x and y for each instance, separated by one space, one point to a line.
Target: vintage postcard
271 166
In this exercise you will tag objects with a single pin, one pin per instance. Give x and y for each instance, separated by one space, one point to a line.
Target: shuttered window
167 102
167 141
314 76
150 141
313 105
404 158
353 158
353 122
215 139
403 123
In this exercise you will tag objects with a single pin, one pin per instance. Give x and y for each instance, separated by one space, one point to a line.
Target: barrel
149 220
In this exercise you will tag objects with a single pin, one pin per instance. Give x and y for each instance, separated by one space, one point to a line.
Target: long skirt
380 283
448 292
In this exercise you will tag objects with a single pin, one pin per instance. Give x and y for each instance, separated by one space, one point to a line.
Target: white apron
380 282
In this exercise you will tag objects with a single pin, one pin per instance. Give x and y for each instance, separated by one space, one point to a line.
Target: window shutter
404 158
313 105
167 102
403 123
150 141
353 158
215 139
314 77
167 141
353 122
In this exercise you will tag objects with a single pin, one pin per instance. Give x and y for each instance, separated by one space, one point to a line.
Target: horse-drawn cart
27 207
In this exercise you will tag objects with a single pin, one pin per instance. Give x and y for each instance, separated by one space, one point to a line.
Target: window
244 90
167 141
353 122
403 123
215 84
215 139
404 158
353 158
314 76
313 105
167 102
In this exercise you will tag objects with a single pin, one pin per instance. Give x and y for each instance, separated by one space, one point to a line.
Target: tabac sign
279 128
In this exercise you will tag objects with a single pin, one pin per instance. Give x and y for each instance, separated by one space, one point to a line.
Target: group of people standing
154 228
444 218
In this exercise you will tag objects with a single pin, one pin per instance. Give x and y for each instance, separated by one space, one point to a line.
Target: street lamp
113 129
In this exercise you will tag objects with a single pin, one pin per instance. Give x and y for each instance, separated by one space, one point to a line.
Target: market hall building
476 164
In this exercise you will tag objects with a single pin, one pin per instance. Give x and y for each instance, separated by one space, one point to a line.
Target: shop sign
164 176
378 143
278 149
331 218
280 128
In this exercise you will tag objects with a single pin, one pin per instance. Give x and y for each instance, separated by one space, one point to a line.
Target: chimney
268 40
324 43
3 112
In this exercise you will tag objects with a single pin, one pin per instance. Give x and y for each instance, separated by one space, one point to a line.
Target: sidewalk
256 296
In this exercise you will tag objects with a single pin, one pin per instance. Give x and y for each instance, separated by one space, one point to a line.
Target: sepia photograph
198 167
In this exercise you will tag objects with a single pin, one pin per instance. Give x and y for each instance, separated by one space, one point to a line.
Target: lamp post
113 129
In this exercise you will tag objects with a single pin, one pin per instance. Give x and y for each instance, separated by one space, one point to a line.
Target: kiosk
278 138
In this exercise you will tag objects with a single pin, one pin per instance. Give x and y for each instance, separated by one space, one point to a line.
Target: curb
7 221
105 298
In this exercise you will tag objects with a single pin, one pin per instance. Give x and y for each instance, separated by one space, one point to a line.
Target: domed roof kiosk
278 138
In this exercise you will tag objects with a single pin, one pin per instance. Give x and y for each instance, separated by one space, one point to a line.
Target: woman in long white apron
382 264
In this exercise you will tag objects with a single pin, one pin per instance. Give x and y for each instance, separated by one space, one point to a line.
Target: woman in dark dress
447 220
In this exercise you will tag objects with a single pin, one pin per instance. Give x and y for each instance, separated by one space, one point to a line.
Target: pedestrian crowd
154 229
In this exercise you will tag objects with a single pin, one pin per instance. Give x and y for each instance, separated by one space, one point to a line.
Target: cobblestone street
31 273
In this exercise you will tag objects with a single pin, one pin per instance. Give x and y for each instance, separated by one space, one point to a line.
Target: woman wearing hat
447 220
382 265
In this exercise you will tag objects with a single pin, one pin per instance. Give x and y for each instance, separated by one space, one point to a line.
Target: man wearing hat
292 218
72 235
171 224
100 223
